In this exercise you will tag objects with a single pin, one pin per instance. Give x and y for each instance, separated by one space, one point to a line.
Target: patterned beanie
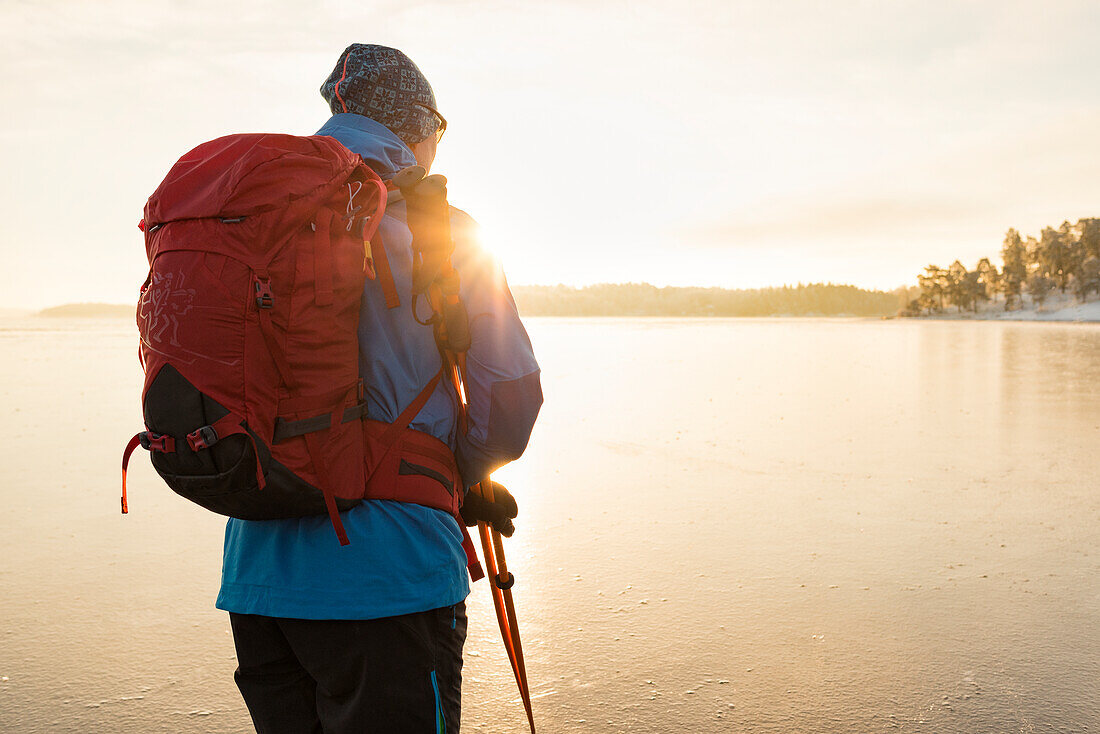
383 84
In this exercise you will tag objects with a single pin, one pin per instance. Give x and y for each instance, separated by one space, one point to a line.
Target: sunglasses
442 120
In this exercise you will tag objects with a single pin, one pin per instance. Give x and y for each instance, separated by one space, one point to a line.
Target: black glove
498 513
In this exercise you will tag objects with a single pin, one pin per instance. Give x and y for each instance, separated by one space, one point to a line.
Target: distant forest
90 310
642 299
1066 258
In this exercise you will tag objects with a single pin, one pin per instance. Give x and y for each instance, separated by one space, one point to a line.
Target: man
368 637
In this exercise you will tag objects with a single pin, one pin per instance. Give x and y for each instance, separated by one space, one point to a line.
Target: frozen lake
726 525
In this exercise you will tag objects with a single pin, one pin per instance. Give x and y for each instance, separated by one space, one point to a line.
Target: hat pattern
383 84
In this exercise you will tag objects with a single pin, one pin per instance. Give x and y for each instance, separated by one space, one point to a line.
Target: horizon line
9 307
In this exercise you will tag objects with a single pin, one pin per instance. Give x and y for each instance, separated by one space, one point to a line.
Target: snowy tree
1087 279
1014 271
989 280
1039 286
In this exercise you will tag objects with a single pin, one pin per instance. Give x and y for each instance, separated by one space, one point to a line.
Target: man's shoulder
469 248
462 223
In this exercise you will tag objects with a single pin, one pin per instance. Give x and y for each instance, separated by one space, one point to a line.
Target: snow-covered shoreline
1057 307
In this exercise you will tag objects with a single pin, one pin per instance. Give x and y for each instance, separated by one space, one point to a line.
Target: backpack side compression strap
199 439
382 266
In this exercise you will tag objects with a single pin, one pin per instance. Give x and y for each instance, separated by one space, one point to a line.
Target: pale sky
736 144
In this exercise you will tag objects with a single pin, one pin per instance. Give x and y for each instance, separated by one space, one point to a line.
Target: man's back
405 563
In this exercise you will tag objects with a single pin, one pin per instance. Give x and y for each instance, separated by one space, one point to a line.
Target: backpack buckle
264 297
202 438
161 442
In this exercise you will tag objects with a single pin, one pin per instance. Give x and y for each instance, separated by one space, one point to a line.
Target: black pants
396 674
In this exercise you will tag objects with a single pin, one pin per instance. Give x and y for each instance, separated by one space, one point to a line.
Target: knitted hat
383 84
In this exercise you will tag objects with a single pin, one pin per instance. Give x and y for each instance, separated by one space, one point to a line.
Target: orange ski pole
500 579
491 542
501 584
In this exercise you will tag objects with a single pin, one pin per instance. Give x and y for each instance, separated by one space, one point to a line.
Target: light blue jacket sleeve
503 388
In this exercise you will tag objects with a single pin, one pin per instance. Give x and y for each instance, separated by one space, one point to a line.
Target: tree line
1066 259
643 299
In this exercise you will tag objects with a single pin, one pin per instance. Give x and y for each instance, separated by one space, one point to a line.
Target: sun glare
498 246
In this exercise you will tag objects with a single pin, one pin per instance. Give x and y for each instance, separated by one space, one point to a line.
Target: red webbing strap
374 221
133 444
317 456
322 258
389 438
273 347
313 446
477 572
382 266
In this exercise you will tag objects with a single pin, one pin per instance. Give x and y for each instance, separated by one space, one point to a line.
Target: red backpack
258 248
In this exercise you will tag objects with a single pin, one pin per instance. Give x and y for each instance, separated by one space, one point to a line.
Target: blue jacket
403 558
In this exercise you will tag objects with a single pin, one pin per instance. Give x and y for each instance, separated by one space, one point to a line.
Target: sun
491 240
510 242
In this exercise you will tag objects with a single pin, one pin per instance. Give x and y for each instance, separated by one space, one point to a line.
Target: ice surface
725 525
